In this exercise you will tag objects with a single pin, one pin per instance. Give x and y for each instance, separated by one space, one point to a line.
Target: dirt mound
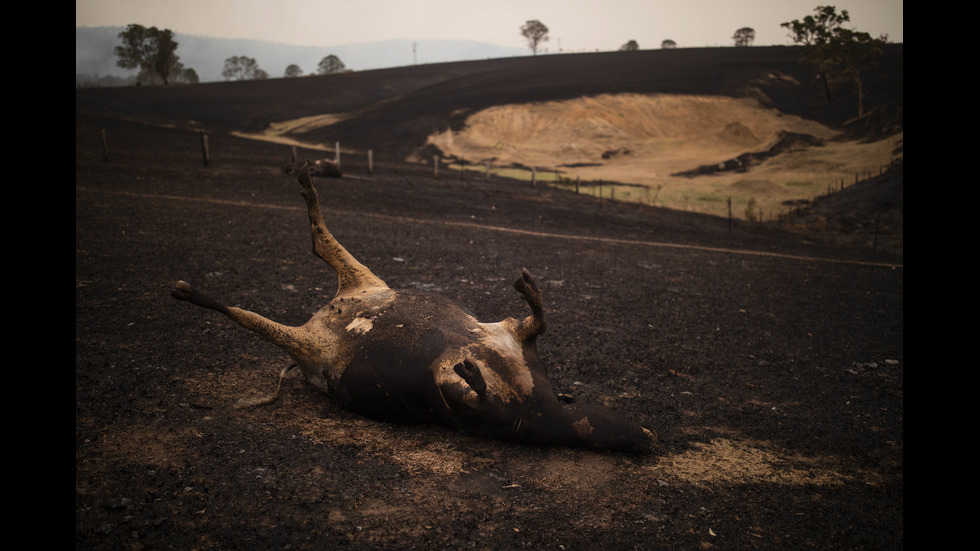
786 141
737 132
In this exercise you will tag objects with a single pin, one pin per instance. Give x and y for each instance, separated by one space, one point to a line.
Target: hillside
413 113
422 100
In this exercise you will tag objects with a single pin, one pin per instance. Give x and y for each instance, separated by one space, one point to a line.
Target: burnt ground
770 363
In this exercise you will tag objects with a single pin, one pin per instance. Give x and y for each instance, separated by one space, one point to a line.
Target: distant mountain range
206 55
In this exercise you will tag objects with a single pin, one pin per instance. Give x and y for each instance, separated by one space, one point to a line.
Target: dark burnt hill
399 108
252 105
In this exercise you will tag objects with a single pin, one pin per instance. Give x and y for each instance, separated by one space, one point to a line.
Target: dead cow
406 355
323 168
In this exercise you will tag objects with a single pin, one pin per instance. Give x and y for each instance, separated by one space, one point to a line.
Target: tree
630 46
744 36
815 30
330 64
293 71
855 52
164 57
535 32
668 44
189 76
831 46
242 68
151 50
135 51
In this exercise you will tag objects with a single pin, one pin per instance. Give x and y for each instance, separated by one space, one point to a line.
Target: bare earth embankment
654 141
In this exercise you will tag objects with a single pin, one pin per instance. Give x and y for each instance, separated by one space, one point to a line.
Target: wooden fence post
105 147
576 184
336 155
204 148
534 176
729 215
294 156
370 162
877 226
435 167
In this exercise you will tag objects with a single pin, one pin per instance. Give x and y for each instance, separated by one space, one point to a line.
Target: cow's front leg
536 323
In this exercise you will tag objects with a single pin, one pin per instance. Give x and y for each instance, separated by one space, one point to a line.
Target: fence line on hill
558 178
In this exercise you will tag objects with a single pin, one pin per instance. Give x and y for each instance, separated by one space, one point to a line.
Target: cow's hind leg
286 337
277 333
351 274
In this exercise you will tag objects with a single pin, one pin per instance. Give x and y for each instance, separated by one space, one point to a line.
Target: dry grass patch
728 462
655 136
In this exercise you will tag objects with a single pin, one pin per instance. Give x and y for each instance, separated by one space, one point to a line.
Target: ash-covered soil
770 363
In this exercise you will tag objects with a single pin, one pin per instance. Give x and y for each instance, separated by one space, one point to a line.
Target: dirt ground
771 364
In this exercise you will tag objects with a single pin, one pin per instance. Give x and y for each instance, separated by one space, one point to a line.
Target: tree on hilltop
855 52
831 46
630 46
243 68
293 71
668 44
330 64
165 59
535 32
744 36
136 50
151 50
815 30
189 76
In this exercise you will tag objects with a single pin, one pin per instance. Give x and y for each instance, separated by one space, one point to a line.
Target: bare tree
535 32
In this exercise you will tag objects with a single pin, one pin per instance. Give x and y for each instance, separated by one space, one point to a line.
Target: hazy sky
575 25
